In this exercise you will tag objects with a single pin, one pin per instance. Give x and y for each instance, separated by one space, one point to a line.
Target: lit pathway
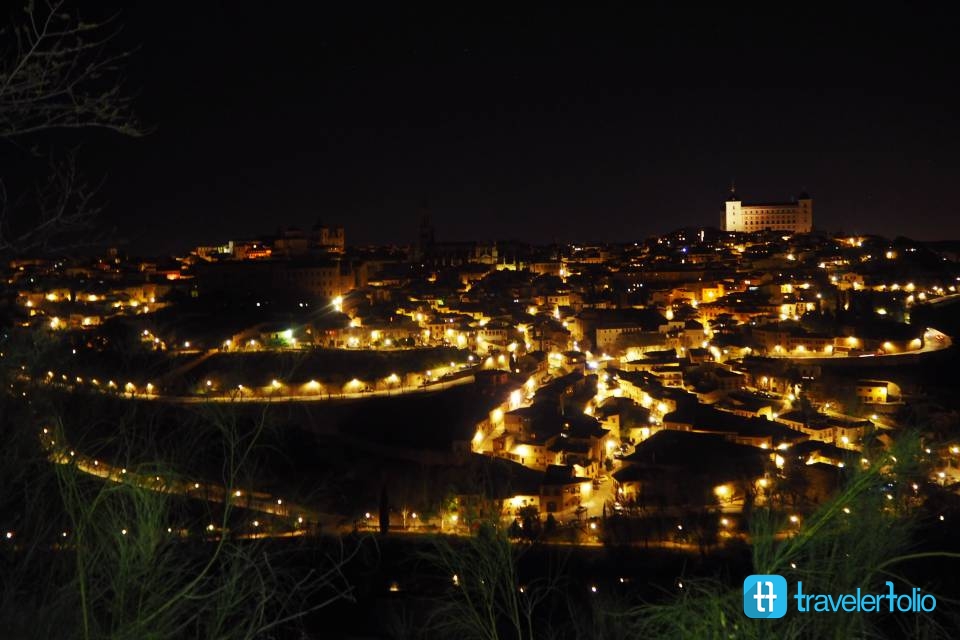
248 395
933 341
299 515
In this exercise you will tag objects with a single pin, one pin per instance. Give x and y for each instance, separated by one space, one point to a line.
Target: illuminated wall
796 217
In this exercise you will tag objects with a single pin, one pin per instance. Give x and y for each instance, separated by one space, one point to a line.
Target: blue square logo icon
765 596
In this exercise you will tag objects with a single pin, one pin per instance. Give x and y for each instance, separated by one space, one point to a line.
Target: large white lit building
796 216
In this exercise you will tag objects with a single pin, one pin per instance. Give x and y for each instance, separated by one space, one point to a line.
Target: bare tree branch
63 207
57 72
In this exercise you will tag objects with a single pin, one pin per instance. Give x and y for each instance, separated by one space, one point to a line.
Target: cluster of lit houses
633 361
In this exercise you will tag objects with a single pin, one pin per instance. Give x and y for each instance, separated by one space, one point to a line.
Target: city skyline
358 321
529 125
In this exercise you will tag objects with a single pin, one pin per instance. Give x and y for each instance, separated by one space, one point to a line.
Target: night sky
551 124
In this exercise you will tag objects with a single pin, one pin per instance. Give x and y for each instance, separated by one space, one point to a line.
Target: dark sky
546 124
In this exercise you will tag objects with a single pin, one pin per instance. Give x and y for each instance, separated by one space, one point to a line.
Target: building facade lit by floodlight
795 216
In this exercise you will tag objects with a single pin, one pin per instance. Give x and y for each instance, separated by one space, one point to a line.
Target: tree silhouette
384 511
57 73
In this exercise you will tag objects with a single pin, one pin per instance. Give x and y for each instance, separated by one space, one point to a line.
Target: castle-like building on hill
795 216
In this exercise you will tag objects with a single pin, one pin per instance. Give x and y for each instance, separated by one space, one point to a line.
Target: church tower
733 216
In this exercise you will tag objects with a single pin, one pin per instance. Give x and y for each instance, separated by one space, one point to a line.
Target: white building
796 216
